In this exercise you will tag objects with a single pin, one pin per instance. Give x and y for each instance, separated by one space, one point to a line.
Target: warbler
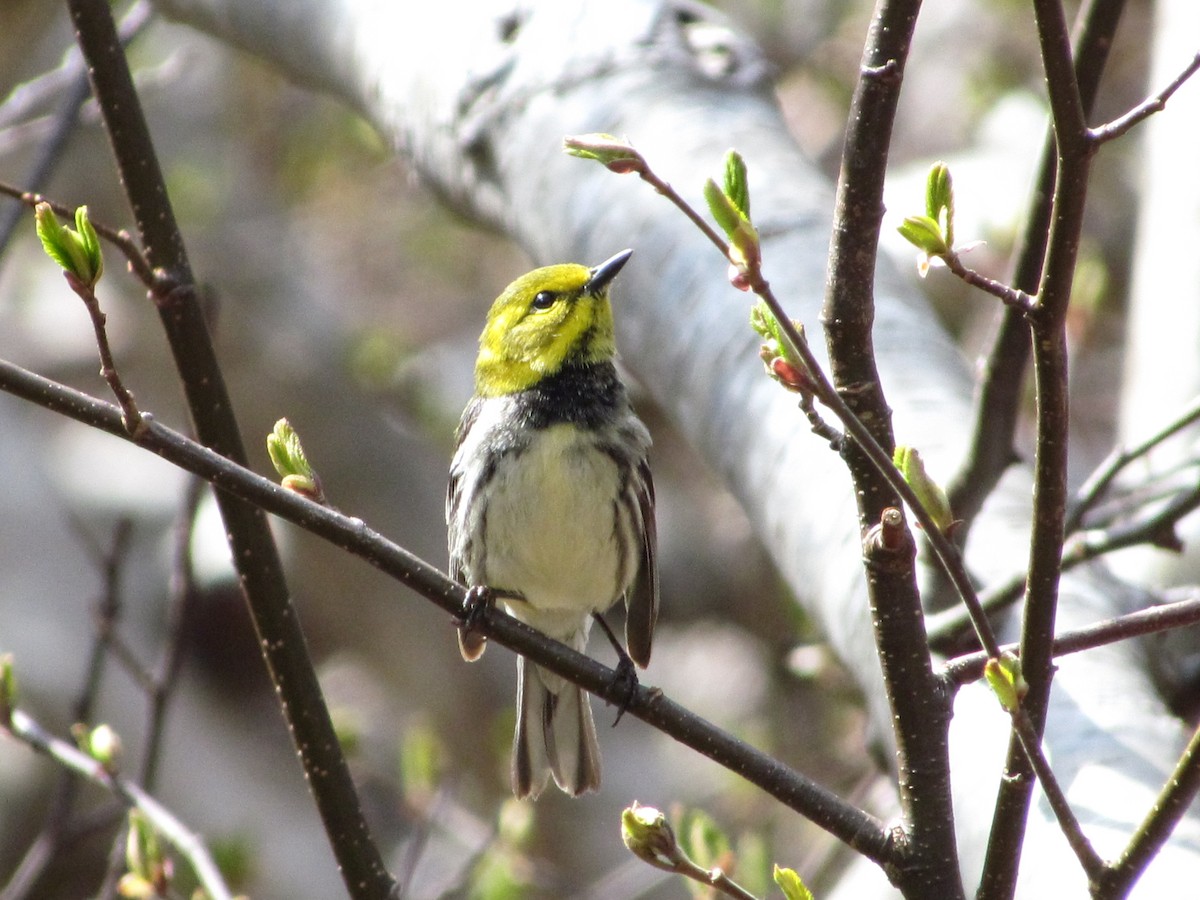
550 504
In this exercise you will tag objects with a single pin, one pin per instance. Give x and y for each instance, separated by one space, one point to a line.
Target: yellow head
543 321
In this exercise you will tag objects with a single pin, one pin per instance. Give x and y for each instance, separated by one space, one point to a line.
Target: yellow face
544 320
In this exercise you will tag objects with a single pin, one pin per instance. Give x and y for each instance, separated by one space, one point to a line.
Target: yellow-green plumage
522 343
550 501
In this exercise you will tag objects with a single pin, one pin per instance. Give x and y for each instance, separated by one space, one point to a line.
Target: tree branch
854 827
251 544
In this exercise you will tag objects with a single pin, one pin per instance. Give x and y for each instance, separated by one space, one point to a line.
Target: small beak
607 271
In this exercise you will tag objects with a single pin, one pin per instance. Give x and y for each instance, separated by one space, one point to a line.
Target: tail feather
556 736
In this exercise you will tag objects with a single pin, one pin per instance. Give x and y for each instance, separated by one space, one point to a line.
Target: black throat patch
583 395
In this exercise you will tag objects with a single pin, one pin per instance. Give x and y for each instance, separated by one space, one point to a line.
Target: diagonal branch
857 829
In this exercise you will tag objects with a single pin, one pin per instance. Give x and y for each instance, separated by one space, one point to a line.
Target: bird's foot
478 601
625 680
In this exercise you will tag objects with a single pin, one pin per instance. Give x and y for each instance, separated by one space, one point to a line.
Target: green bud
1003 675
928 491
288 458
737 187
135 887
790 883
647 834
76 250
617 154
102 744
8 688
925 234
781 364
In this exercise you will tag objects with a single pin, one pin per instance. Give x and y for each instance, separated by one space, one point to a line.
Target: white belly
552 530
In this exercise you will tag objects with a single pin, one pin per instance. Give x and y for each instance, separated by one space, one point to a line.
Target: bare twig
1088 858
1144 110
1097 483
1009 296
69 81
1153 619
108 367
1047 321
996 412
1169 807
26 729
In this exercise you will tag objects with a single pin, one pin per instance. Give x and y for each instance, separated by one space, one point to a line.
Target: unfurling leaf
925 234
737 185
77 249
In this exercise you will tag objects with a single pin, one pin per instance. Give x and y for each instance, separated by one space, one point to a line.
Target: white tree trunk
478 95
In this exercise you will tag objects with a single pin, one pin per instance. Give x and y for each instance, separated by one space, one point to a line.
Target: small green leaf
737 185
1003 675
8 688
90 243
939 199
928 491
791 884
776 353
724 213
939 190
925 234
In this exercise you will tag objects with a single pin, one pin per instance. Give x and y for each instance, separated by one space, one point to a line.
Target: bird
550 504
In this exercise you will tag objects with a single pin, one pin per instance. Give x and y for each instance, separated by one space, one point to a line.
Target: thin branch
1030 740
72 83
108 366
1081 546
997 410
190 846
1163 617
920 713
945 552
1144 110
252 545
58 829
1012 297
1048 324
1096 484
182 596
857 829
1169 807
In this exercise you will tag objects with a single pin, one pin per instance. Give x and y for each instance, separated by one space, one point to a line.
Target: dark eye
544 299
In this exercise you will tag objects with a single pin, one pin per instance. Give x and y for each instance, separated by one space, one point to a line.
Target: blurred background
349 301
